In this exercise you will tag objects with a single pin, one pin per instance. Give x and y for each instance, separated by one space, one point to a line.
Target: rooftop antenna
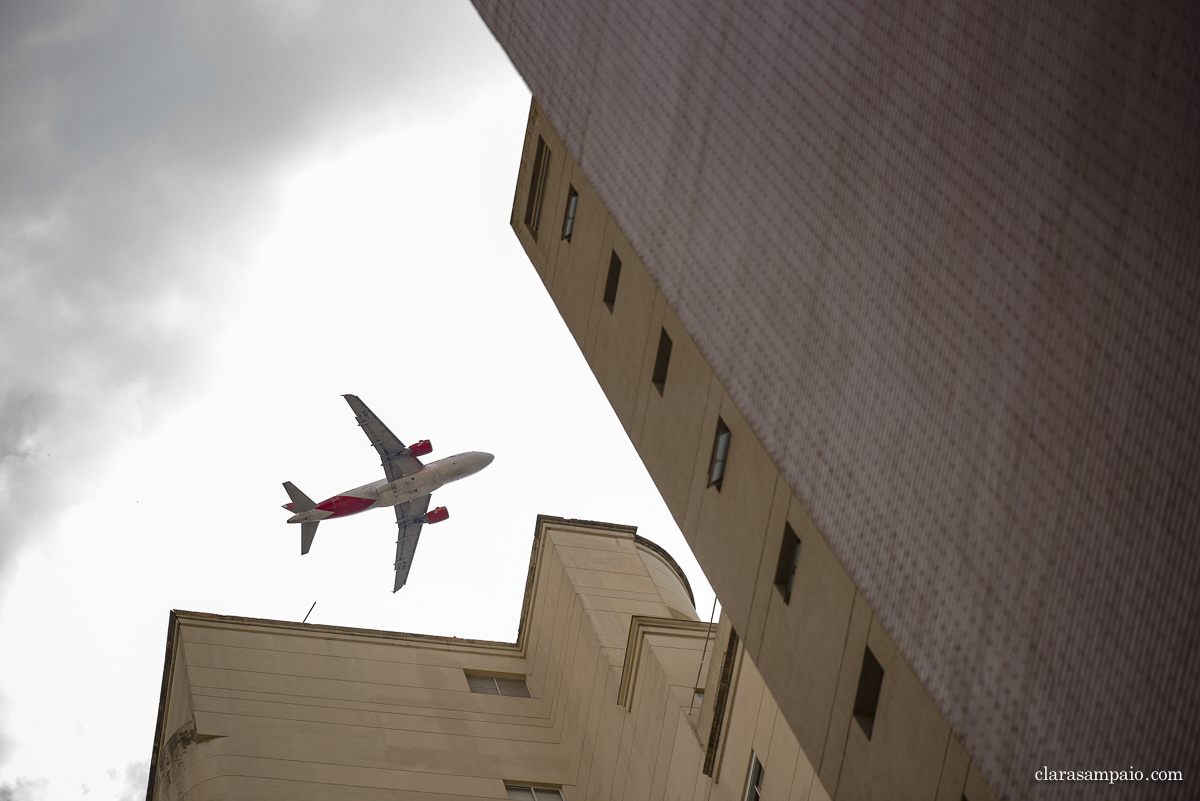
302 622
703 653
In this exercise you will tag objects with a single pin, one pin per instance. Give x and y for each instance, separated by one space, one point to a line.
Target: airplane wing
395 463
410 532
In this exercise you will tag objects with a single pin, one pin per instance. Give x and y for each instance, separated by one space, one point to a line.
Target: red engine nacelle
420 448
437 515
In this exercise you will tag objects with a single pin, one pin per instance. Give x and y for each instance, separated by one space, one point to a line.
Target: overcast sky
214 220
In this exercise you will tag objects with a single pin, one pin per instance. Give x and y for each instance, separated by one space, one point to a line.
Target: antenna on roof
302 622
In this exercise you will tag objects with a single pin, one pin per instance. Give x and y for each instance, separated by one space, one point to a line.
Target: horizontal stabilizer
300 501
307 532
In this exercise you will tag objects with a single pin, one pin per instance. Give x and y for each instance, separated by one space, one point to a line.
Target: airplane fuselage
390 493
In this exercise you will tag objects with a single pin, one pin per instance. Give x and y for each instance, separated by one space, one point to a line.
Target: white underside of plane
407 486
431 477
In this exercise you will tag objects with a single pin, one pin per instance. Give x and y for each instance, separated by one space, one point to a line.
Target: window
789 557
569 217
866 700
720 452
610 285
661 362
754 781
537 187
521 792
498 685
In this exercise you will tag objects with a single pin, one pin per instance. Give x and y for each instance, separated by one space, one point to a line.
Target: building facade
610 691
899 306
785 595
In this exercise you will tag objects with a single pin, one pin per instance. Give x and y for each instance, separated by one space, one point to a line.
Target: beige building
898 303
602 696
857 708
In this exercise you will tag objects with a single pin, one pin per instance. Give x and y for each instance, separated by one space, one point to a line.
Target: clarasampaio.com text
1110 776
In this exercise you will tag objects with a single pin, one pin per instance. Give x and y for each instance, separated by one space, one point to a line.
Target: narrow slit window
610 285
754 781
866 700
537 187
498 685
661 362
523 792
512 688
789 557
569 216
720 453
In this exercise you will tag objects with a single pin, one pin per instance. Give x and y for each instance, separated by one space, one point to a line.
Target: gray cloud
24 790
134 779
138 150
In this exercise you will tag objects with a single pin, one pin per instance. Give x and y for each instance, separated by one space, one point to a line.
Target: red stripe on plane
345 505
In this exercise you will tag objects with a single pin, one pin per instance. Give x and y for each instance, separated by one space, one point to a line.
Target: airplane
407 486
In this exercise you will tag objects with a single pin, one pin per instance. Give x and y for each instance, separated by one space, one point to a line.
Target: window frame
789 560
537 188
500 693
612 282
569 213
719 461
538 791
870 687
662 362
754 779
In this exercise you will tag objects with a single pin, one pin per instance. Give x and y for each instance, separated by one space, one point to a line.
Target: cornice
639 627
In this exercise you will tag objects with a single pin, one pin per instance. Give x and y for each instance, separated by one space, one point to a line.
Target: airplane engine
420 448
437 515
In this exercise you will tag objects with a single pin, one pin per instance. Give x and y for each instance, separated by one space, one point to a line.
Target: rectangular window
754 780
523 792
537 187
569 217
496 685
610 285
661 362
789 557
720 453
866 700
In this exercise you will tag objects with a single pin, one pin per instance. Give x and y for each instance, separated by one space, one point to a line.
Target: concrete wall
610 648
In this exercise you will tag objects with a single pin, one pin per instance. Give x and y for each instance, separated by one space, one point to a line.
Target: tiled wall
944 259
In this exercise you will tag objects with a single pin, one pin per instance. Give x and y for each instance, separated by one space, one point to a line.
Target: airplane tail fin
307 532
300 501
